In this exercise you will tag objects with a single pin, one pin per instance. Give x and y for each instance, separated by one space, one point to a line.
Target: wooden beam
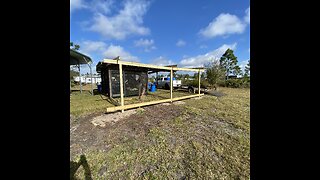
172 65
157 79
187 69
111 61
130 106
80 78
110 84
91 79
171 83
121 85
199 82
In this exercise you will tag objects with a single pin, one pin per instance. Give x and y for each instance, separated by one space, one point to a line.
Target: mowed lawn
206 138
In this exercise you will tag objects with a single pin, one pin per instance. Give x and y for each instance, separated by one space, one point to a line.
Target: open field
199 138
84 104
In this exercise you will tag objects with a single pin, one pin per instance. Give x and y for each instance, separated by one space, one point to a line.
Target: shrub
73 83
221 83
238 83
195 83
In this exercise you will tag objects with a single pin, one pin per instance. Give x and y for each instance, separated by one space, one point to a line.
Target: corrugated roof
79 58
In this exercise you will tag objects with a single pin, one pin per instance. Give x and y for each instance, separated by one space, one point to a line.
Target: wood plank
129 106
171 83
199 82
121 85
110 61
135 64
187 69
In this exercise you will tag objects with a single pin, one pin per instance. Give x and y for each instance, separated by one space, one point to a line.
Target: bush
246 83
73 83
195 83
221 83
233 83
237 83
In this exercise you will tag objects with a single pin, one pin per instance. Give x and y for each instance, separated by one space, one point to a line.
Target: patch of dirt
111 117
199 97
165 104
84 135
178 102
216 93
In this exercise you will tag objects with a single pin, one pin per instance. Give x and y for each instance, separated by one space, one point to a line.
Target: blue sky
189 33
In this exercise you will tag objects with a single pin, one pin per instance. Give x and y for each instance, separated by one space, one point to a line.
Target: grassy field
85 104
205 138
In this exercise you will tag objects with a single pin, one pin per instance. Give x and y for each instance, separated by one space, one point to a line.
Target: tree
75 46
195 76
202 76
214 72
237 70
247 70
179 76
228 62
187 76
73 73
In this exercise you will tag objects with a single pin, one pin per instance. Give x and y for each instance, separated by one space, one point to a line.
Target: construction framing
170 69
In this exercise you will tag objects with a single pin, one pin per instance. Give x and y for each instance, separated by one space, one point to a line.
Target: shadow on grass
74 166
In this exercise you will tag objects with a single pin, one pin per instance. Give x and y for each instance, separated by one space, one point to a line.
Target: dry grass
209 138
85 104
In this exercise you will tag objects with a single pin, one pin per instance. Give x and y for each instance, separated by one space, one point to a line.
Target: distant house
87 79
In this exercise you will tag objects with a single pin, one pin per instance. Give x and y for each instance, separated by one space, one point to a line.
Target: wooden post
121 86
80 78
199 81
157 79
91 79
171 83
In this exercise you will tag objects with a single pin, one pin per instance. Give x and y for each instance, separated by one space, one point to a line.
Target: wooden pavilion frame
153 68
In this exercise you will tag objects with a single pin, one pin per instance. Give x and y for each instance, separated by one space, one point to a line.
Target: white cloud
103 6
76 4
89 47
162 61
181 43
224 24
201 60
146 44
102 50
129 21
247 16
114 51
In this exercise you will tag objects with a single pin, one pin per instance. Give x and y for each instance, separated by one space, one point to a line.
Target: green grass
210 139
85 104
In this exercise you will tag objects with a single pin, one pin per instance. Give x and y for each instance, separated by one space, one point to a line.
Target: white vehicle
164 82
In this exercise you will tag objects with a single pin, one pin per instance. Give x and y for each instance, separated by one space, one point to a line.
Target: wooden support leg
121 86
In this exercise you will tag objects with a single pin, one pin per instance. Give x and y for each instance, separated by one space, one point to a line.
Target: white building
87 79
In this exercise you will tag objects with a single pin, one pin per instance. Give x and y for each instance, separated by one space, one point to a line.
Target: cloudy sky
189 33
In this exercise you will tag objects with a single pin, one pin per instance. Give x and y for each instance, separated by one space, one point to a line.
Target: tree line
223 72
